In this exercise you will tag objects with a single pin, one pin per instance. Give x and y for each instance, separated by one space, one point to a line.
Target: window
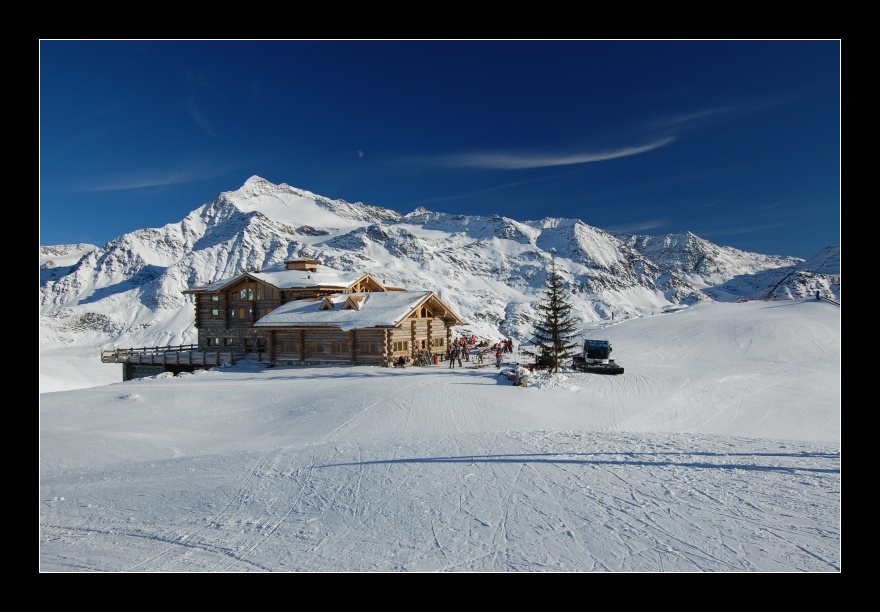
266 293
339 347
247 291
215 312
288 347
255 345
401 346
215 298
437 342
217 341
368 348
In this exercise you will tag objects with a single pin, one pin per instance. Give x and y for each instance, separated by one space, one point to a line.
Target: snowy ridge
491 269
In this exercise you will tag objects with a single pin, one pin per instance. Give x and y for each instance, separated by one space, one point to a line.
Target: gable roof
376 309
354 301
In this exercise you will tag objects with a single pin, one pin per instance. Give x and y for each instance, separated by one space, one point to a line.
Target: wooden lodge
297 313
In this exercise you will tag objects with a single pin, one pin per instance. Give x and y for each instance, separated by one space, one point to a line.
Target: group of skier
461 350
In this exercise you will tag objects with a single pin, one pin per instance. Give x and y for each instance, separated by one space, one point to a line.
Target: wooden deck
185 355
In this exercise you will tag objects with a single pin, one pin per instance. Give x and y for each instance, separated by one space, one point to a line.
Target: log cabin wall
439 336
225 318
324 346
225 323
287 347
289 295
216 329
329 346
417 334
399 343
369 346
421 335
270 341
210 317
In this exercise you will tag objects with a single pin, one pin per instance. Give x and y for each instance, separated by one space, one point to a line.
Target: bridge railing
184 354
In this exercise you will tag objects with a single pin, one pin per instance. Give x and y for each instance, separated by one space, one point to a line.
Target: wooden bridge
189 355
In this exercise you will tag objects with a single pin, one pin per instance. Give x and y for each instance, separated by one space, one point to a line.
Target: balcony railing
184 354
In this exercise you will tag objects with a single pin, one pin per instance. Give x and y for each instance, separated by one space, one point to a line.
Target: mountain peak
490 269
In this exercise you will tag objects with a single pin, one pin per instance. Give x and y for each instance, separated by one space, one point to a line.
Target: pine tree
555 327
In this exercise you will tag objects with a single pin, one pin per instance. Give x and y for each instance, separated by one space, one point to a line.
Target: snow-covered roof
374 309
280 277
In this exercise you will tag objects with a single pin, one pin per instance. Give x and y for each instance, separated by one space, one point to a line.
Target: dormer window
353 303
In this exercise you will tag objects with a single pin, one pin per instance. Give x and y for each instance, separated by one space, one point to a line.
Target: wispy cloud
194 83
199 118
747 229
485 190
637 228
700 119
506 161
123 183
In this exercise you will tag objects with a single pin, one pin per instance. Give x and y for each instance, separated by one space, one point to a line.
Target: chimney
306 265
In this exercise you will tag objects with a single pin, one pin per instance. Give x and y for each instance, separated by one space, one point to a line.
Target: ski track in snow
622 474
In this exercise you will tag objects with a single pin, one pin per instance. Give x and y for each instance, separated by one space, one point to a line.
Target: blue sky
735 141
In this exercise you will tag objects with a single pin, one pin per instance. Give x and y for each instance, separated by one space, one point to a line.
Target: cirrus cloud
504 161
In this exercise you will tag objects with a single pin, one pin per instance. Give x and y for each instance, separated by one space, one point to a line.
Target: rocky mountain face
491 269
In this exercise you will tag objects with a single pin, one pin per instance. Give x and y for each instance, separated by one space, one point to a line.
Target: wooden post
270 339
412 337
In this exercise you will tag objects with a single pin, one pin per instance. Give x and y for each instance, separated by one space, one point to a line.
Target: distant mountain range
492 269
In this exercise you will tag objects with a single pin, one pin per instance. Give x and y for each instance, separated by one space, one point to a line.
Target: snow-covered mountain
492 269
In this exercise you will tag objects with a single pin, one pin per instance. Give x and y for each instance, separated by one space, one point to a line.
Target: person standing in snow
498 358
